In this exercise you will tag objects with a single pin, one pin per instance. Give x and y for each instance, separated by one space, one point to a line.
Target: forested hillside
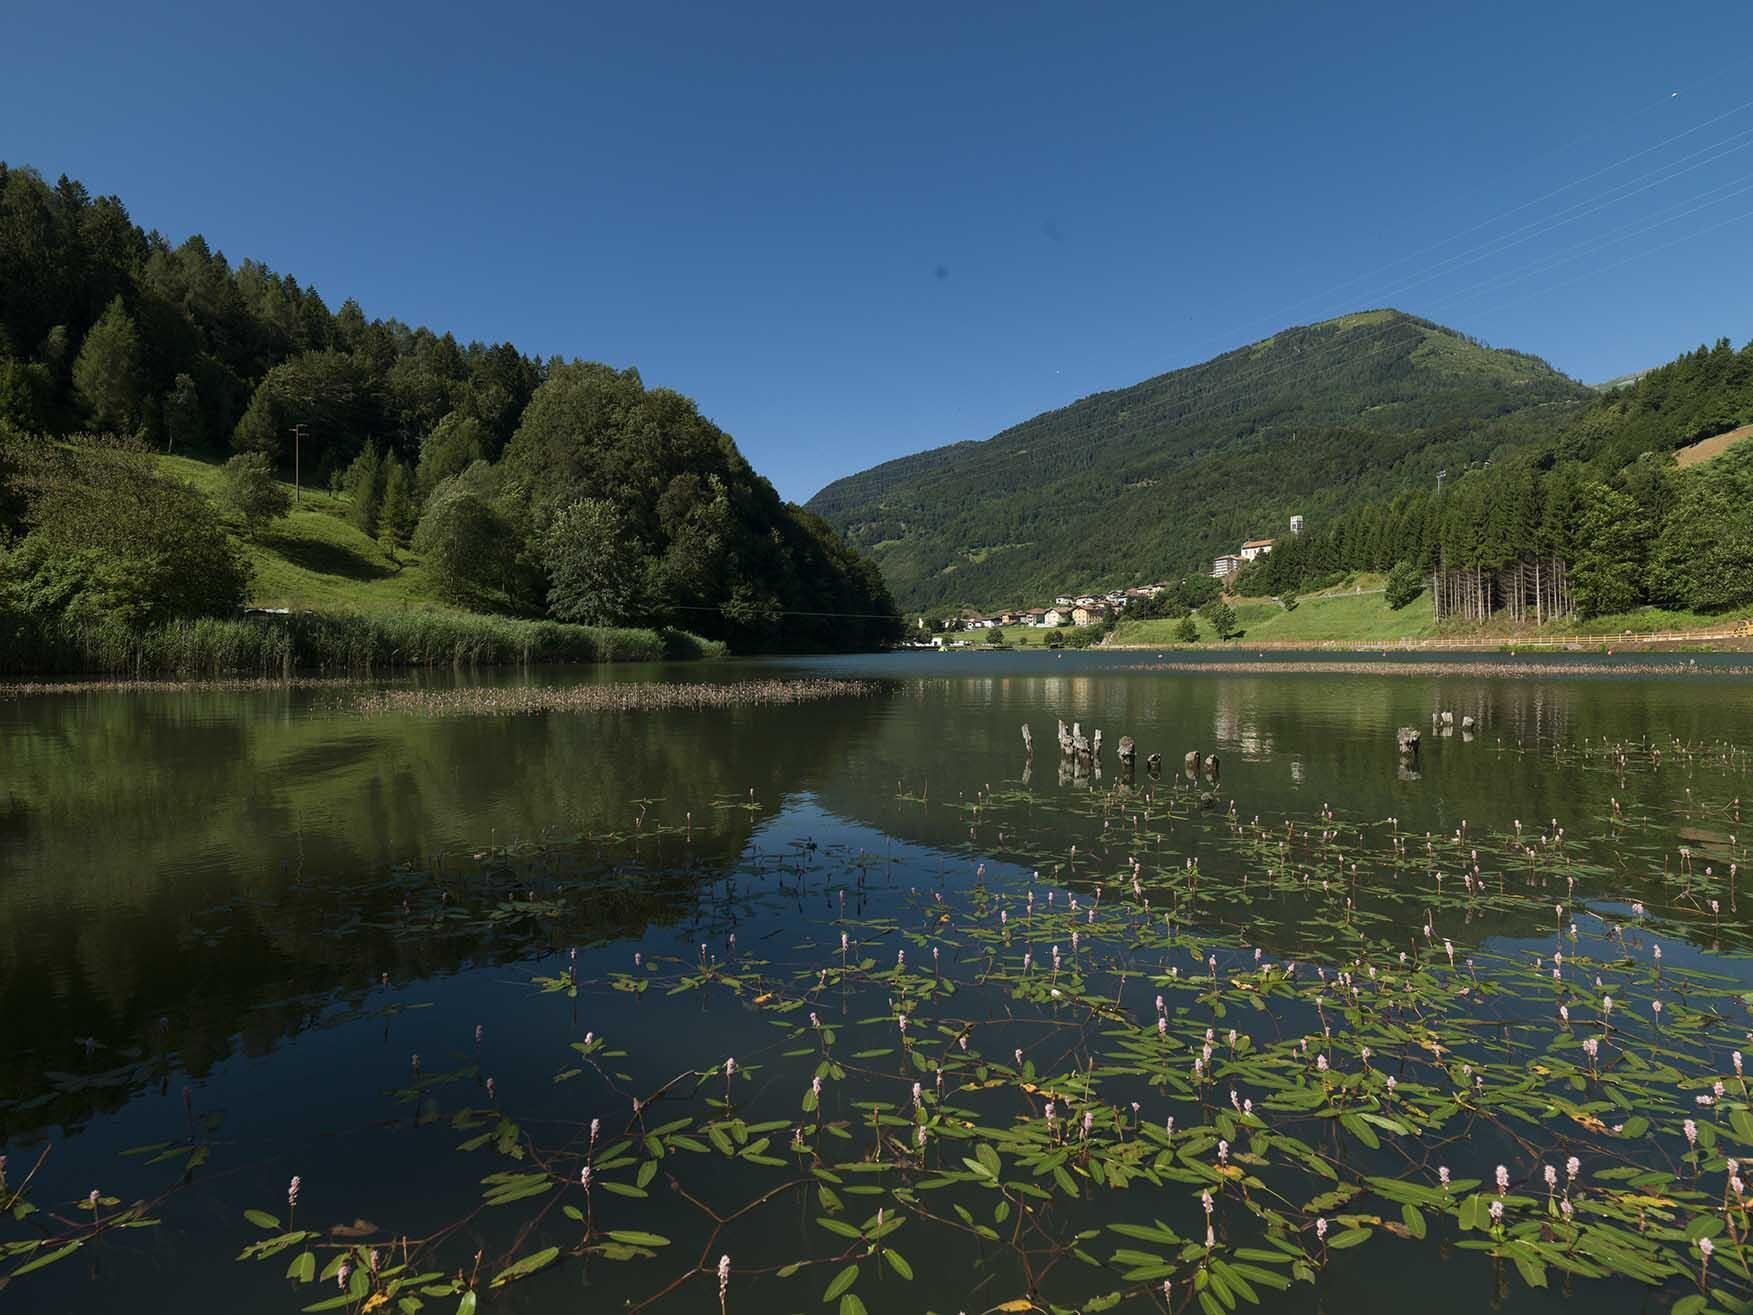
1147 482
531 487
1592 518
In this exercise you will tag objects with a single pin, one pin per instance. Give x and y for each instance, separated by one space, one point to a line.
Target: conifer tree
107 372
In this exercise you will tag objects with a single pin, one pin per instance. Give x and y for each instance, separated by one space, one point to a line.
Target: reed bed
1517 669
20 689
630 696
348 643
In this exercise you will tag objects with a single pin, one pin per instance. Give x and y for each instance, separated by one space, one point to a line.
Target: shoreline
1603 645
1477 668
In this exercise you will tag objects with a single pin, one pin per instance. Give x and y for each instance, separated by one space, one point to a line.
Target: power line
1349 338
1219 397
1279 316
298 436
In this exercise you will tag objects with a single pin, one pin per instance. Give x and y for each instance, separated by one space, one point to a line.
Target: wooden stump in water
1407 738
1128 750
1028 740
1191 762
1211 766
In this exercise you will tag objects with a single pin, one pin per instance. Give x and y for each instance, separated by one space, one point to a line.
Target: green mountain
1154 480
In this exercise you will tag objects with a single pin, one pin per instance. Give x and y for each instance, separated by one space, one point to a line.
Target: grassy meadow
1358 613
352 609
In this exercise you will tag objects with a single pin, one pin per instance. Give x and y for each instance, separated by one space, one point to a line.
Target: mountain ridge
1195 460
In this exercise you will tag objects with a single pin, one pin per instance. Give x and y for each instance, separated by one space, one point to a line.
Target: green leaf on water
60 1253
898 1263
1349 1238
851 1305
989 1158
1153 1232
525 1267
840 1283
633 1238
303 1268
1414 1218
262 1219
1533 1272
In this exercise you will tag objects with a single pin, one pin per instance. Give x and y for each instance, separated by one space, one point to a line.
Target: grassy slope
1346 617
318 560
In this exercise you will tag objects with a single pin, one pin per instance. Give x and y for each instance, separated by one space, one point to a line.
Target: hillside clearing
316 559
1705 449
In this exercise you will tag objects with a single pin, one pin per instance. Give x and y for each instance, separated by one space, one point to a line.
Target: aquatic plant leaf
527 1266
840 1283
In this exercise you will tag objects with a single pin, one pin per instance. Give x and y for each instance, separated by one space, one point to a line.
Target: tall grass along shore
340 643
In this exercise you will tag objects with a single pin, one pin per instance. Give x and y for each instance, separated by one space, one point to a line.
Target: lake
437 965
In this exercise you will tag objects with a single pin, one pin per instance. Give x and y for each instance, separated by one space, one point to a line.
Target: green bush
249 491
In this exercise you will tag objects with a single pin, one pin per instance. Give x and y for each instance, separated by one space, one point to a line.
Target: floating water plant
1136 1052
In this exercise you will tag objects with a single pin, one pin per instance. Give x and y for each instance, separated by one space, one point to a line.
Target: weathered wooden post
1028 740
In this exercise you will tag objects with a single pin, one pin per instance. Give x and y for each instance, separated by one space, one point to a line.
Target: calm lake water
230 920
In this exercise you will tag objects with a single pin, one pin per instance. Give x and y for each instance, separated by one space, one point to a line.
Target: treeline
537 488
1596 519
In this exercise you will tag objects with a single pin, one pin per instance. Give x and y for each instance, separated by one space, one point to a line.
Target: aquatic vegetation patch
628 696
1120 1047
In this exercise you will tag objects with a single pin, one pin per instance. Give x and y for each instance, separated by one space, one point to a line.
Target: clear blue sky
853 232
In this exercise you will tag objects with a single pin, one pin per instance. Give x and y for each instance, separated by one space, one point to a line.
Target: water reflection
168 858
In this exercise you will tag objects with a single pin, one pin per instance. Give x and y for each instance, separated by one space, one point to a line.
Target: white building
1296 524
1225 566
1254 548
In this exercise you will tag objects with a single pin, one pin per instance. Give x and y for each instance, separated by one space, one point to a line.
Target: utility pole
297 454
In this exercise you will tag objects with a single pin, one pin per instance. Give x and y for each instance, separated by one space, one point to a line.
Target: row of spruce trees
531 486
